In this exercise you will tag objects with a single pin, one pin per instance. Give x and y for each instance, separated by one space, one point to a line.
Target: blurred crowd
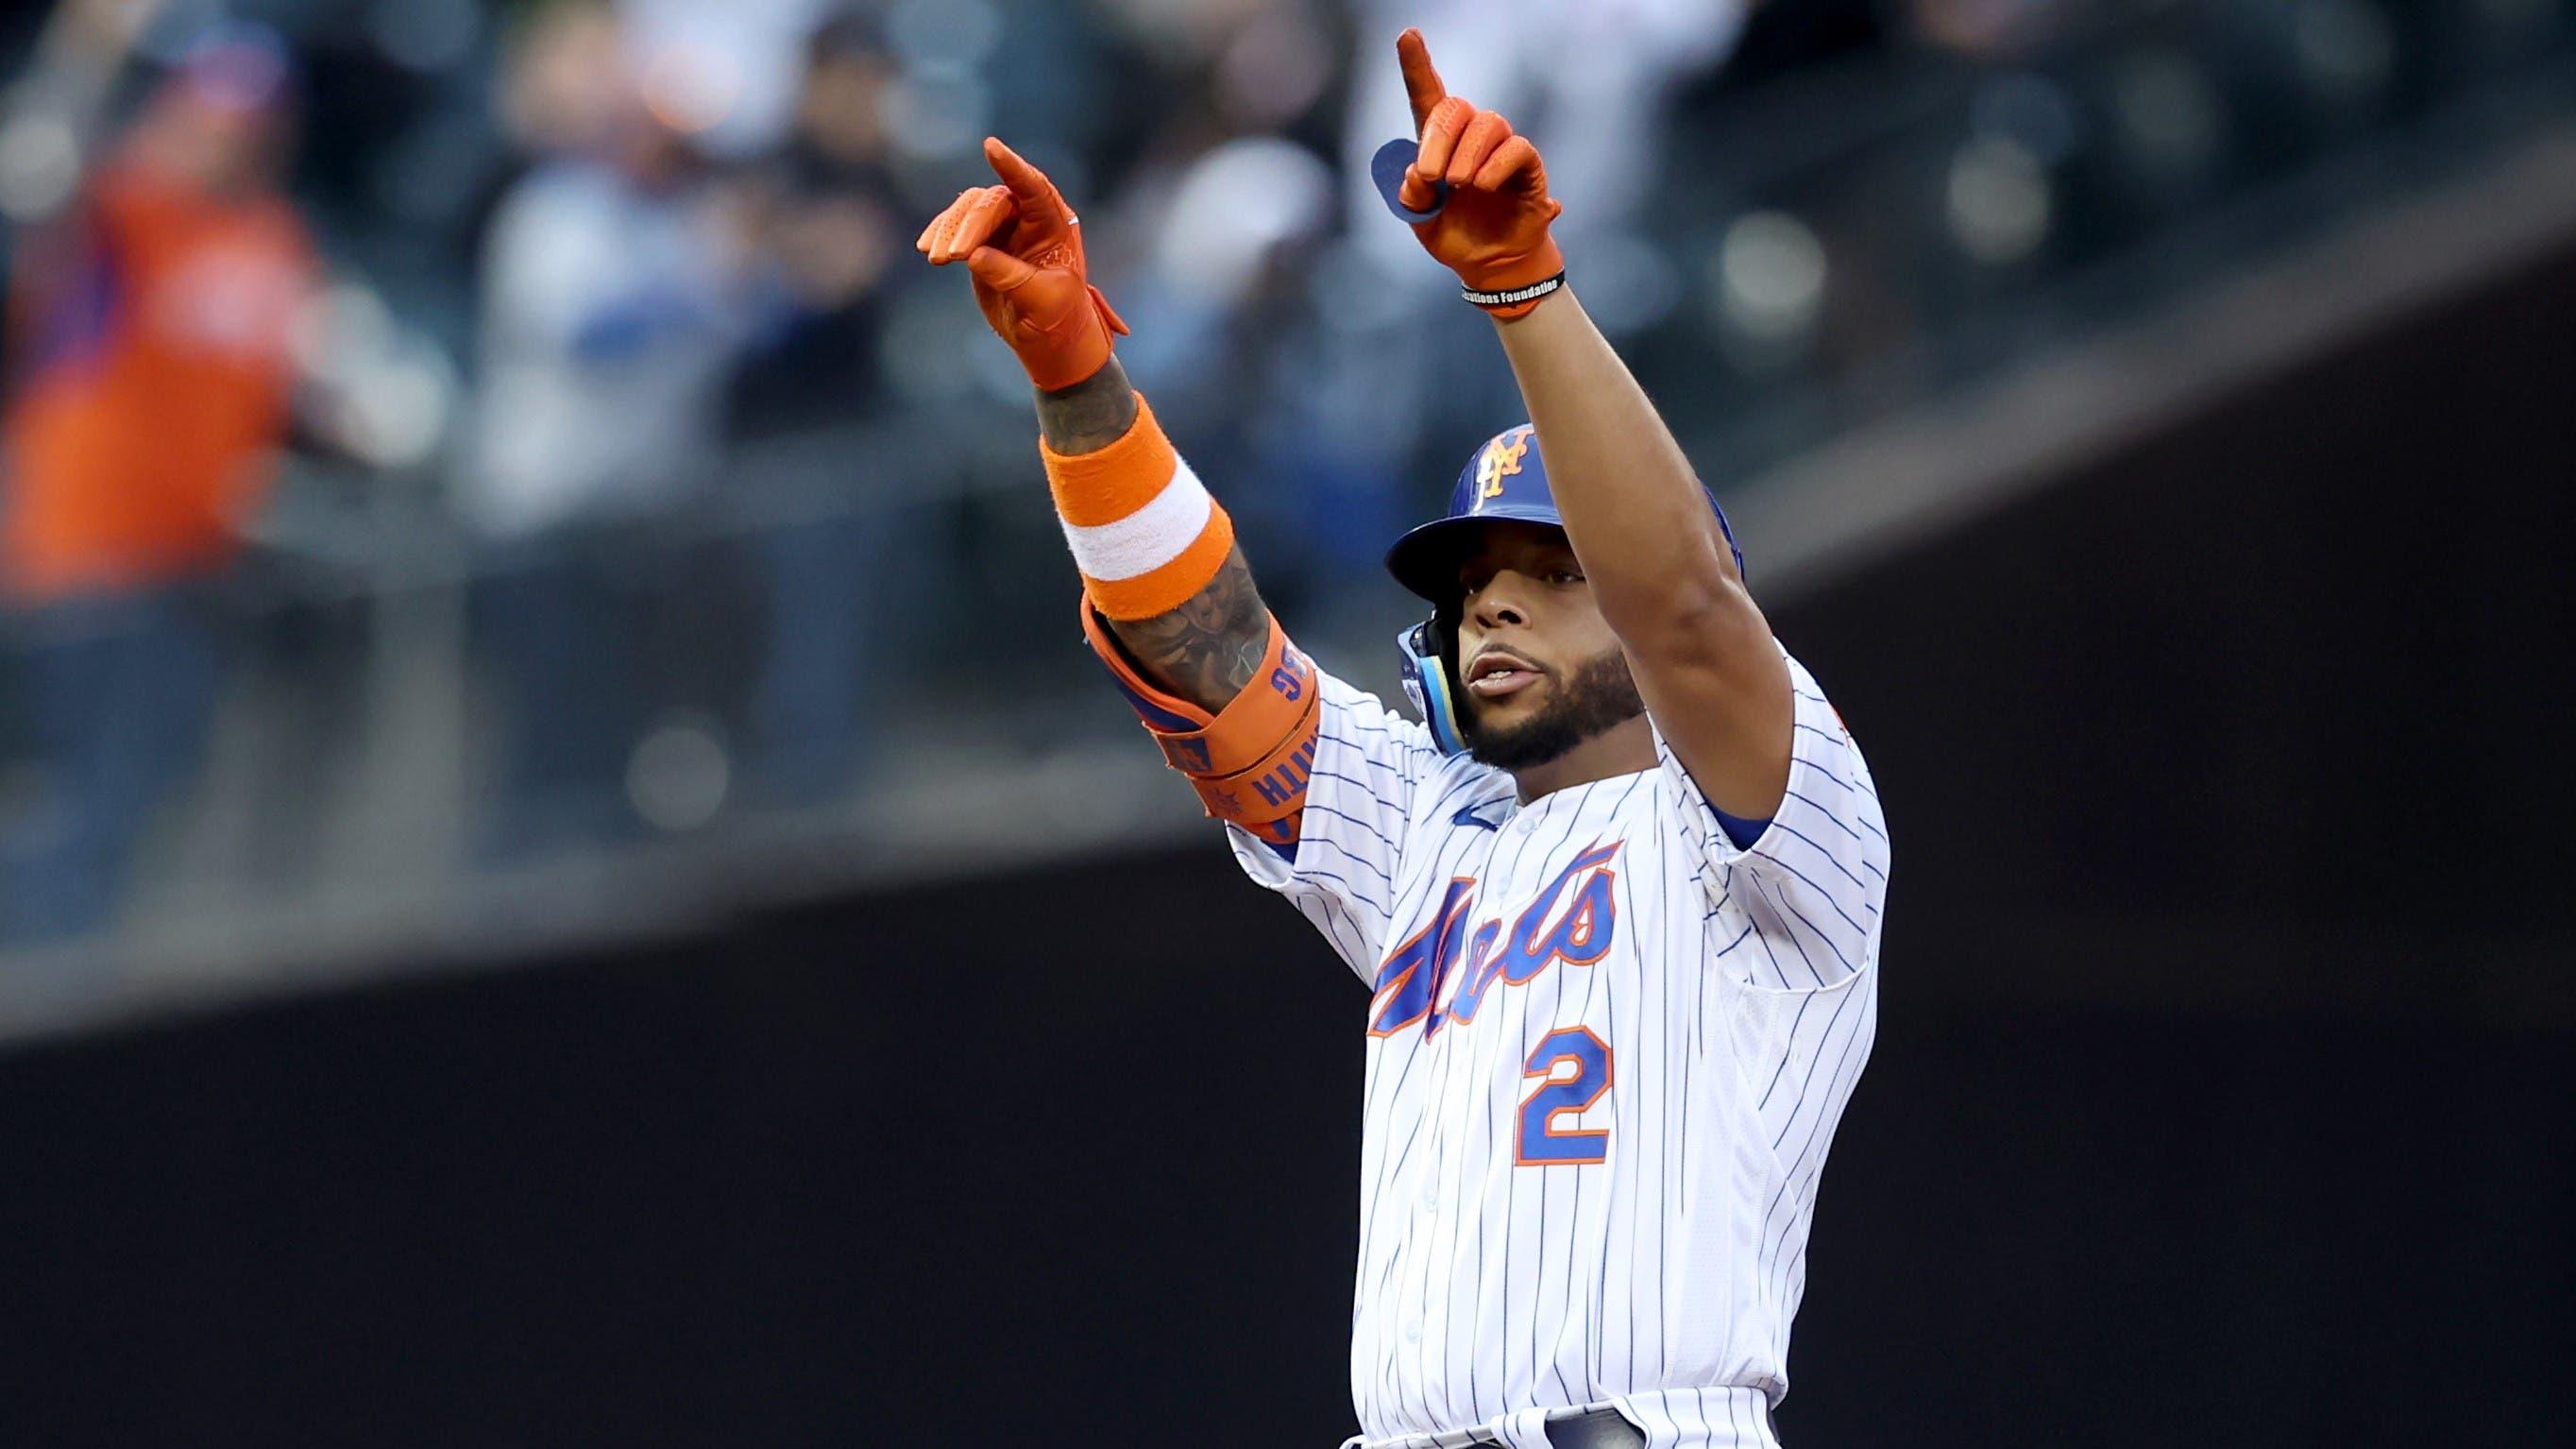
615 299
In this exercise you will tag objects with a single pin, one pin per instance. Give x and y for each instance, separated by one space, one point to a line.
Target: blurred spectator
152 372
614 308
732 70
829 236
611 305
825 223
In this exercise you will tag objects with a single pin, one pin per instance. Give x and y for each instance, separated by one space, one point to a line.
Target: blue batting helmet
1505 479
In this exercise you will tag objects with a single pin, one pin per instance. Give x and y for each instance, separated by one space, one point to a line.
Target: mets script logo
1442 972
1500 460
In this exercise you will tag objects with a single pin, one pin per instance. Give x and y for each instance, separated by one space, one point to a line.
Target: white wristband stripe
1148 538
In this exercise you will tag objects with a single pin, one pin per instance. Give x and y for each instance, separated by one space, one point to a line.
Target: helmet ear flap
1428 658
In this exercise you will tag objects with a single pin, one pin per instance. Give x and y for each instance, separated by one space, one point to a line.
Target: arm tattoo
1090 415
1208 649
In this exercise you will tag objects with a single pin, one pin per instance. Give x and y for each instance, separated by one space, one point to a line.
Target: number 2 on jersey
1540 1142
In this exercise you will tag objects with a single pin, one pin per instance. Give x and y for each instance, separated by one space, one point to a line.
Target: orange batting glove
1024 247
1492 228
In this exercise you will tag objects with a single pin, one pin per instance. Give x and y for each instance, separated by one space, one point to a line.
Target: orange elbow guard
1249 761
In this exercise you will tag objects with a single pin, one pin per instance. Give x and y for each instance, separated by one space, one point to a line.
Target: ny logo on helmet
1501 459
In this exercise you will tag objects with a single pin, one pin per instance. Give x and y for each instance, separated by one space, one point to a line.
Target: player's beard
1597 698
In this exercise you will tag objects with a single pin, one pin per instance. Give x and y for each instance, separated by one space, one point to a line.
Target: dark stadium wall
2226 1086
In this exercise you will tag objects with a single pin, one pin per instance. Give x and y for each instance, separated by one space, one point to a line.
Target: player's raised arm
1168 601
1209 646
1660 565
1157 553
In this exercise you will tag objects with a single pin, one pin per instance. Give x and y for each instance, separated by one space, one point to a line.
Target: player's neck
1623 749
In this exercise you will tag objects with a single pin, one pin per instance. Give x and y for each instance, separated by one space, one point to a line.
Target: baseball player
1616 896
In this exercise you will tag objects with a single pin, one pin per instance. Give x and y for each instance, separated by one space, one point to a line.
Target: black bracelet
1516 295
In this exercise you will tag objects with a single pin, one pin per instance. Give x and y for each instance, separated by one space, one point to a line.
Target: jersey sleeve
1813 882
1341 872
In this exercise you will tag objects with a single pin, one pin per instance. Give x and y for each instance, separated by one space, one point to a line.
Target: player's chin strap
1426 683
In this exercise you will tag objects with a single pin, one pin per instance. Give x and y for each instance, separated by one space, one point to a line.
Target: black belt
1599 1429
1593 1429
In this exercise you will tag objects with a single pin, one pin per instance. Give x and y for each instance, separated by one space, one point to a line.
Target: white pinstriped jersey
1607 1050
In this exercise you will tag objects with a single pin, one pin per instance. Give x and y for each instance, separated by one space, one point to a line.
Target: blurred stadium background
562 869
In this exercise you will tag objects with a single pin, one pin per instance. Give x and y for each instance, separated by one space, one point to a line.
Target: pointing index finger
1026 182
1421 83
